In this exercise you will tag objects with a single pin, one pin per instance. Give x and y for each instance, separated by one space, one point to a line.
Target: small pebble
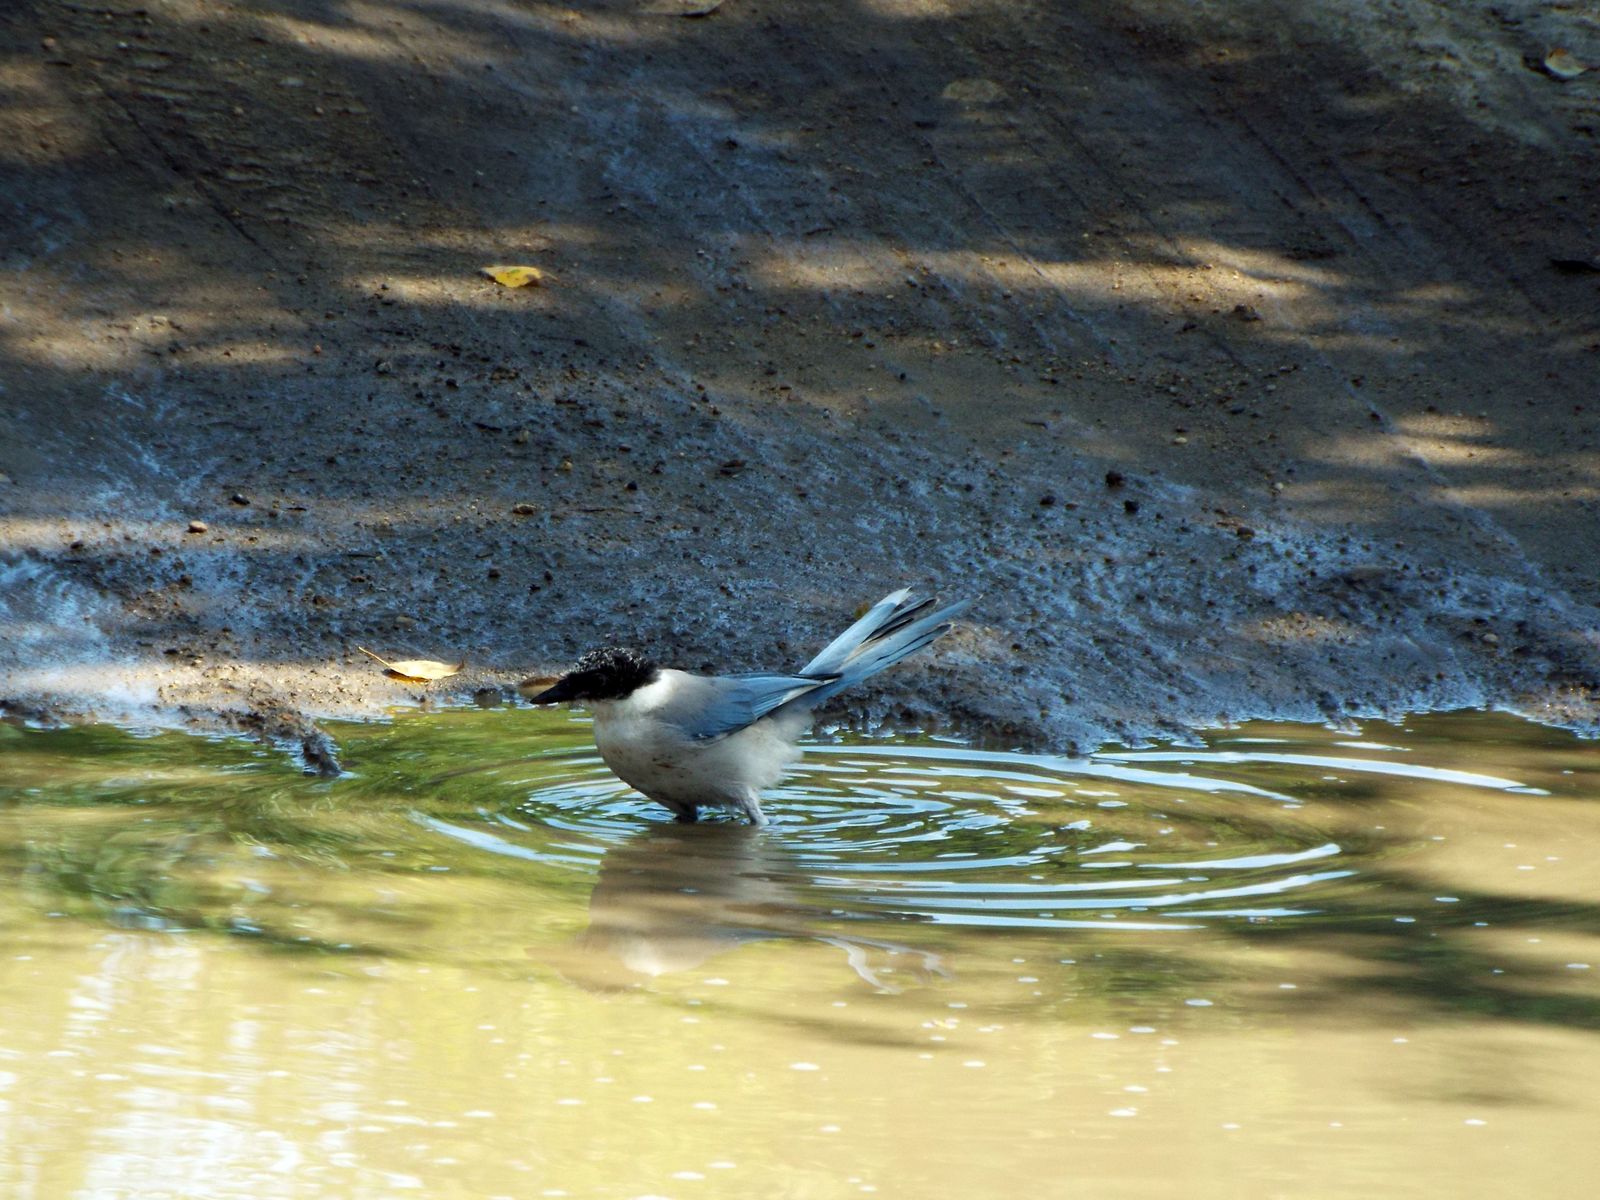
524 509
198 527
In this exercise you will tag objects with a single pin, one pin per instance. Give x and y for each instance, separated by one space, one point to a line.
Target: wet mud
1235 358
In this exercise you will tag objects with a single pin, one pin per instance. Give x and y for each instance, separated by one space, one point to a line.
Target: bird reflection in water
674 896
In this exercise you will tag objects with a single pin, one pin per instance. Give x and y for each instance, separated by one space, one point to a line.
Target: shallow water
1292 962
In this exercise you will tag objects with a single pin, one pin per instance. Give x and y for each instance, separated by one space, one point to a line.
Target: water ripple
947 834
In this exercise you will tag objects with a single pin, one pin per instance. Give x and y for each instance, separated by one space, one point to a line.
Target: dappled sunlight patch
630 25
1452 451
834 264
1436 293
1291 627
366 33
467 289
1352 501
932 10
1250 265
1355 449
38 126
1508 496
1436 424
436 243
113 329
44 535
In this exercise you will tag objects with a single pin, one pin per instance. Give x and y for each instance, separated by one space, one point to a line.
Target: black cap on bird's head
612 673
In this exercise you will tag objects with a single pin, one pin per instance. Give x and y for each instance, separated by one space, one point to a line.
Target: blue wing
735 701
896 626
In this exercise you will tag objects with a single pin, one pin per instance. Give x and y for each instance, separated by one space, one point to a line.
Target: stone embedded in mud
524 509
1560 63
198 527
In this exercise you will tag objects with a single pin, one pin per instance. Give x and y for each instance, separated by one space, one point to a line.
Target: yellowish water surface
1292 962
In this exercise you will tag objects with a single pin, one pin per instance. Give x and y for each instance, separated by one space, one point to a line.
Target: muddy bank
1246 365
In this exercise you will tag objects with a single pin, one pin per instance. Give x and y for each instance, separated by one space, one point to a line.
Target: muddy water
1291 962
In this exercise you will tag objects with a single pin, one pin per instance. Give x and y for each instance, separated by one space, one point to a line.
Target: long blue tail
894 627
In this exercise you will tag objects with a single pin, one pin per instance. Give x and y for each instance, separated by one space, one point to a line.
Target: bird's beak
541 689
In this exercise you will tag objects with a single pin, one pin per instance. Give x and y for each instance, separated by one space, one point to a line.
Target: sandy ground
1244 358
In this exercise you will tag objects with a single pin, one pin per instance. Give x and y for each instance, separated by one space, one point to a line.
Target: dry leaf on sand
415 670
514 276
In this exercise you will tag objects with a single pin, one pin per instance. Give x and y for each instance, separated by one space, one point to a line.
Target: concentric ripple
936 831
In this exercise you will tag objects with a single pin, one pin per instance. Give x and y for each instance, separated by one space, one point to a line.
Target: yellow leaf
415 670
508 276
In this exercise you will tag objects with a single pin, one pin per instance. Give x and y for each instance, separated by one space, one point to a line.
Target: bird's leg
688 814
750 802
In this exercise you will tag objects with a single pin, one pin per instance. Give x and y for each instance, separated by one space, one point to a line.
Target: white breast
655 756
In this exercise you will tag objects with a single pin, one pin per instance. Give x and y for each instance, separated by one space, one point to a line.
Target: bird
690 741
